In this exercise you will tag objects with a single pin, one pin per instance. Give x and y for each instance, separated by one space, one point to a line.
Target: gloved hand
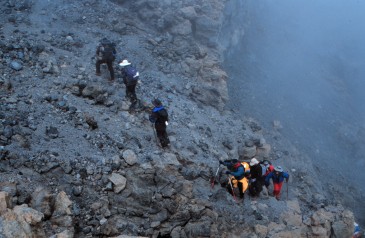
220 162
227 172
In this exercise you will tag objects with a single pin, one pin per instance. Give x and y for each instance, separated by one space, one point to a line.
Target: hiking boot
164 145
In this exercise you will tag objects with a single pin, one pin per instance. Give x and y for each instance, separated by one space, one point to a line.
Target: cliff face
185 42
78 161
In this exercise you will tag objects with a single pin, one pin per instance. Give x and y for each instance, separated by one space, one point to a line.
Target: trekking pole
212 180
234 195
154 132
287 190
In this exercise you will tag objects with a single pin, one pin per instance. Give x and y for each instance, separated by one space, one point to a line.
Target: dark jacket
256 171
106 51
159 116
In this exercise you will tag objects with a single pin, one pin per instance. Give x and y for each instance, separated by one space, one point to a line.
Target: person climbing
159 117
239 175
105 54
267 168
277 176
255 186
130 77
357 231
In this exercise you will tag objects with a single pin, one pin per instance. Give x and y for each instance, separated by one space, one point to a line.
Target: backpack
132 74
107 50
163 117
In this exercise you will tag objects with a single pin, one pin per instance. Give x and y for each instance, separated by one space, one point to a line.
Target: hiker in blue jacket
277 176
159 117
240 172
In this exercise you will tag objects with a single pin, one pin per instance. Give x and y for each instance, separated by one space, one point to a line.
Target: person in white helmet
255 186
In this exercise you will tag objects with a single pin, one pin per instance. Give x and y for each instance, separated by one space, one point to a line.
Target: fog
303 63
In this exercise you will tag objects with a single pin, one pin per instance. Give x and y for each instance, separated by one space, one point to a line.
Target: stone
130 157
166 159
155 224
90 120
198 229
77 190
294 206
42 201
341 229
184 28
5 201
119 182
30 215
64 234
63 205
319 231
189 12
90 169
291 219
321 217
92 91
263 151
260 230
245 152
9 187
52 132
63 221
16 65
14 224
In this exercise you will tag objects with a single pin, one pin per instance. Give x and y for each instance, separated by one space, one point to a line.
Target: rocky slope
77 161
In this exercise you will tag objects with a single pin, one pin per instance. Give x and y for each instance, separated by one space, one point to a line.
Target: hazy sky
303 63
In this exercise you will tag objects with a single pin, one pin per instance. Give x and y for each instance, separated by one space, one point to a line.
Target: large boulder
21 222
28 214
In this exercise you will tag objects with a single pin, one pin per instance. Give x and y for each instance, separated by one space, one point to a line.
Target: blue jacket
239 173
276 178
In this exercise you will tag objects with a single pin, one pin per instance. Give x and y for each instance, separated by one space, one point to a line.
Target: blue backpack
132 74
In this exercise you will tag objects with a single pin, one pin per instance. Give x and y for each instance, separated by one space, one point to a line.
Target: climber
130 77
239 175
277 176
255 186
105 54
357 231
160 119
267 168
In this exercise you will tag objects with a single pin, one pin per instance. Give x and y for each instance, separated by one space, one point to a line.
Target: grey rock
42 201
9 187
52 132
16 65
77 191
119 182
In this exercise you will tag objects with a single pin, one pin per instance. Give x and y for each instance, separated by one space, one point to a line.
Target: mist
302 63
